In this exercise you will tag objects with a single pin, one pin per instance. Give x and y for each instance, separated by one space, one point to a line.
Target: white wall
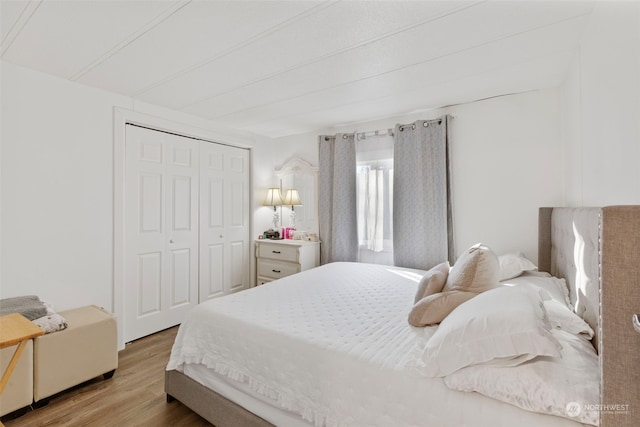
506 159
57 185
264 178
506 164
56 189
601 106
579 145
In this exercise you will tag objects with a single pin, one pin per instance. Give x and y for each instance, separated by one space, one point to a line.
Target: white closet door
224 220
161 230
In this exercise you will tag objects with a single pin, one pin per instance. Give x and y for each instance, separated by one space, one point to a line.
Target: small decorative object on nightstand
281 258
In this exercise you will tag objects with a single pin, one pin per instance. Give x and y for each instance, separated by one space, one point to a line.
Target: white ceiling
283 67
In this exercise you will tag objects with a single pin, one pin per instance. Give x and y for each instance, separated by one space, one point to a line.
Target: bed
332 347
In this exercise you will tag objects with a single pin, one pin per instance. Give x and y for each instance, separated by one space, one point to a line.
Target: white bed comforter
339 354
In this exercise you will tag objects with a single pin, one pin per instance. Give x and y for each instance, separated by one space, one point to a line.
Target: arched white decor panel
301 175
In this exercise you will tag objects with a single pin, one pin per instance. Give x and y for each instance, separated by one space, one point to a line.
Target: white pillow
556 302
514 264
497 326
560 317
545 384
556 287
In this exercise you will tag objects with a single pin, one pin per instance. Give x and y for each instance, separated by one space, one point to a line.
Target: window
374 165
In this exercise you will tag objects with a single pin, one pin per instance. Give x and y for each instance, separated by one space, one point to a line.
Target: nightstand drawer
278 251
276 259
276 269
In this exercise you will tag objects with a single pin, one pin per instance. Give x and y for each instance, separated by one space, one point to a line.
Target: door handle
636 323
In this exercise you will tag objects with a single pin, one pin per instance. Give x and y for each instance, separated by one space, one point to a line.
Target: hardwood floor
133 397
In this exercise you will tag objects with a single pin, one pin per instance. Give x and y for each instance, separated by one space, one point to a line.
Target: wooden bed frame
597 250
211 406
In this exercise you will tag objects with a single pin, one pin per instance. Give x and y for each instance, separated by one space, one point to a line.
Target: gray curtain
337 199
422 220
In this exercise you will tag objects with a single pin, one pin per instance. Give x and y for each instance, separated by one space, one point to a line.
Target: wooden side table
15 329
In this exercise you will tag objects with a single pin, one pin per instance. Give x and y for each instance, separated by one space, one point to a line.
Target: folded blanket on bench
35 310
29 306
51 323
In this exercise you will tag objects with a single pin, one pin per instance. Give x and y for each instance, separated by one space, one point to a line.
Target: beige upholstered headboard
597 250
573 252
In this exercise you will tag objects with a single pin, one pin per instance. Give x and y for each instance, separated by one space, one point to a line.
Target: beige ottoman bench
19 390
87 348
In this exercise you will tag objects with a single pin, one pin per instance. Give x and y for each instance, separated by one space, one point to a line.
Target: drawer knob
275 252
275 271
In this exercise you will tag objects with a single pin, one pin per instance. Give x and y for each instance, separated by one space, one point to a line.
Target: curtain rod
424 123
389 131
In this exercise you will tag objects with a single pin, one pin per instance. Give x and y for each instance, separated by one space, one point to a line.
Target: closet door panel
180 277
149 283
238 219
238 208
224 220
216 211
161 230
212 245
150 203
182 203
182 168
212 281
186 226
237 265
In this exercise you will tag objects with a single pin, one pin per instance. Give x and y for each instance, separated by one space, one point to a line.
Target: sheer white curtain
374 159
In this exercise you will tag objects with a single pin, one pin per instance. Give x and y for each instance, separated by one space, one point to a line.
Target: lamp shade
292 198
273 197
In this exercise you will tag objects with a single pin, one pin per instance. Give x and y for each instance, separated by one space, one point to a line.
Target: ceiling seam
420 110
288 116
232 49
355 122
339 51
26 5
30 8
163 16
403 67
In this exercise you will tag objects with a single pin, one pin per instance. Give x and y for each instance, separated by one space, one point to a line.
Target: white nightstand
281 258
